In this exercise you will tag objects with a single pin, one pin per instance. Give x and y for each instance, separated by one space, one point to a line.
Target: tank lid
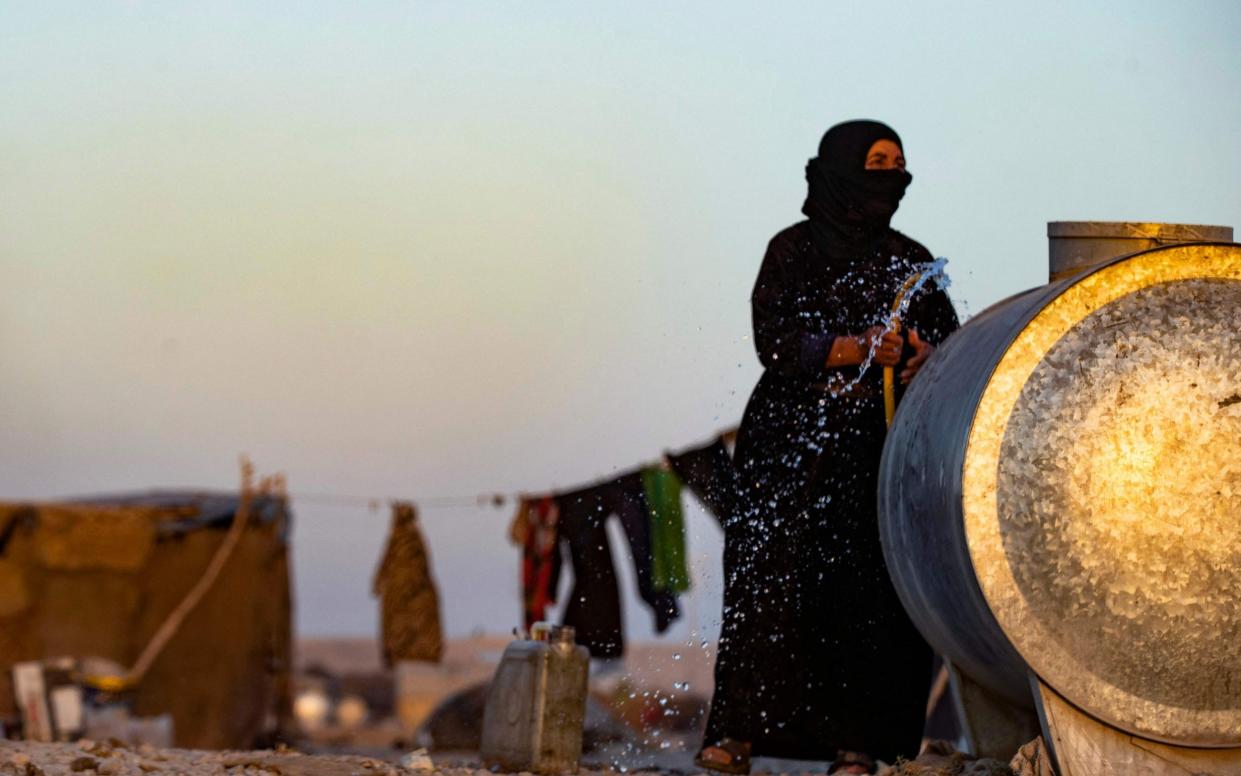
1140 230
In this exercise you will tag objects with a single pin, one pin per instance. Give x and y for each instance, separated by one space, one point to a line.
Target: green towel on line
663 501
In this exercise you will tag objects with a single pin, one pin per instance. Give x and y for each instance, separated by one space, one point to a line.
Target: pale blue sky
441 248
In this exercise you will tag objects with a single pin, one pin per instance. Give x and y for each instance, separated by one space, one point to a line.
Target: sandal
846 759
738 757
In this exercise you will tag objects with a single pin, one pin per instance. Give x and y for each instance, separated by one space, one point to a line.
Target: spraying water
923 274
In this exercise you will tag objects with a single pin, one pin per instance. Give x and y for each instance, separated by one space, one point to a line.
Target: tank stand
992 725
1082 746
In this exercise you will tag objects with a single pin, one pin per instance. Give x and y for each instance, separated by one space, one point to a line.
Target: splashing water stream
925 273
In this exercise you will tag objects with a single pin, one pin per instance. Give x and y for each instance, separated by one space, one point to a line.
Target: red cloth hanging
537 527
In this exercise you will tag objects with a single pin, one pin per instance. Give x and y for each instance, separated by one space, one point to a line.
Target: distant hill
652 665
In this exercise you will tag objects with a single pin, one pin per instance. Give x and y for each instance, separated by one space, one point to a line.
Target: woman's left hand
922 351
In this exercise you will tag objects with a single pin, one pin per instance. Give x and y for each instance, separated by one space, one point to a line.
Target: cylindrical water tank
1061 494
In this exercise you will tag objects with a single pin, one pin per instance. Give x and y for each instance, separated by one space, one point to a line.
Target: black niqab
850 207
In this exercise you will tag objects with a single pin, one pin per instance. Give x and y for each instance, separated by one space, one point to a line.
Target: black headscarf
849 207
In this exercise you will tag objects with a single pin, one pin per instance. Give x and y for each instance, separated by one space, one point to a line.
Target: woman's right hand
890 344
850 349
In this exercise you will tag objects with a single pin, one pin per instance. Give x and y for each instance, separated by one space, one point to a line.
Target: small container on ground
536 704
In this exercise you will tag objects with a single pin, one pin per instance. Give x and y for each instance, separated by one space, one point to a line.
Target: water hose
894 324
172 623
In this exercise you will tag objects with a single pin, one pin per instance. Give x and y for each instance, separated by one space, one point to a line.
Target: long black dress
816 652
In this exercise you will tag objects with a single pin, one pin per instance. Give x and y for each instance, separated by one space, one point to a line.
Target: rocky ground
93 758
20 758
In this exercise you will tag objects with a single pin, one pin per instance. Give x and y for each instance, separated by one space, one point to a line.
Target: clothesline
495 499
563 526
375 503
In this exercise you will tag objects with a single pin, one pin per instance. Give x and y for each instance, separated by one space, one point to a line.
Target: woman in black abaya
817 658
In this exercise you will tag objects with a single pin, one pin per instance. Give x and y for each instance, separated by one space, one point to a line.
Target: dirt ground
88 758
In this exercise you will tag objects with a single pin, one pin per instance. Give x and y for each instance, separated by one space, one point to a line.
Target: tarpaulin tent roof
201 508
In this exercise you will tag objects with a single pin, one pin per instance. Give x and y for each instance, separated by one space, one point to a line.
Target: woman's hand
890 343
852 349
922 351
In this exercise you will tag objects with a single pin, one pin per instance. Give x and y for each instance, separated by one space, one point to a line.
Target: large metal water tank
1060 495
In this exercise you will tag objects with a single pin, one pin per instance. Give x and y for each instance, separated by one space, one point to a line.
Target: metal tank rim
1023 631
926 444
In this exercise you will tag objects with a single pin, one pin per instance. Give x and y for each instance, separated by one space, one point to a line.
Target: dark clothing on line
805 582
625 497
593 607
709 473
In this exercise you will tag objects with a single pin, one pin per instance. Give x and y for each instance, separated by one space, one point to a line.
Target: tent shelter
97 578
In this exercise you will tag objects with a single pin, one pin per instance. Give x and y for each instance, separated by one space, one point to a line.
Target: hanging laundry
663 498
519 528
536 529
593 607
708 471
409 601
625 497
